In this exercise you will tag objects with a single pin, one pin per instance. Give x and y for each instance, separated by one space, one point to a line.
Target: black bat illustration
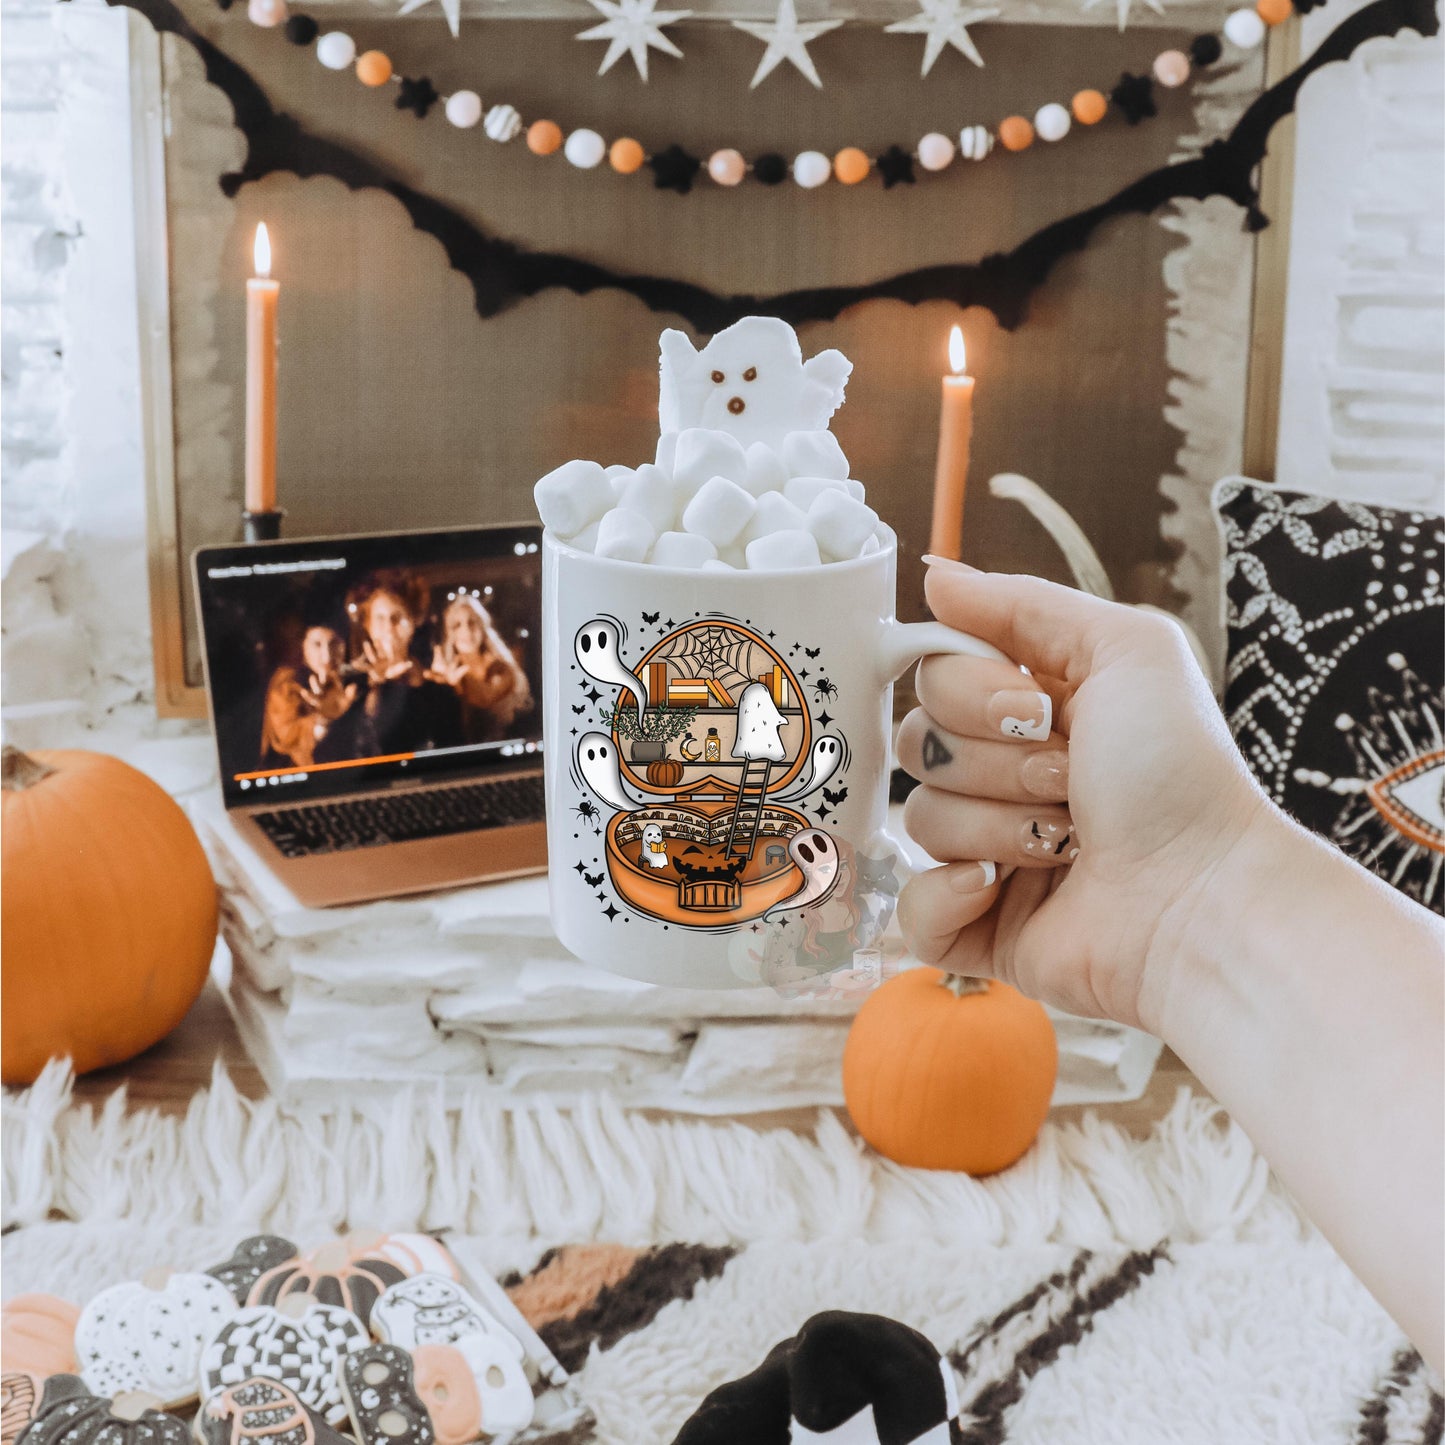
650 617
593 881
837 797
580 708
812 651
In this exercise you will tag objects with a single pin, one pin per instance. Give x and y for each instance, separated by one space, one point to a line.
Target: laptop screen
346 663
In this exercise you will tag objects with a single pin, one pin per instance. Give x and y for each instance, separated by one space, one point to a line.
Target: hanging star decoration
788 40
630 28
452 9
1121 9
895 165
944 22
418 96
674 170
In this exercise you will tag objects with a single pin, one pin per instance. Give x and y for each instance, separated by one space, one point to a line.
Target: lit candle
955 432
262 294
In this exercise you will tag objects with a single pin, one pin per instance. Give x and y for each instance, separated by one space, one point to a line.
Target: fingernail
1046 775
1048 838
949 564
972 877
1019 714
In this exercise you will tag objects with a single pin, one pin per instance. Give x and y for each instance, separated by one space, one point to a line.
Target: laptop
377 705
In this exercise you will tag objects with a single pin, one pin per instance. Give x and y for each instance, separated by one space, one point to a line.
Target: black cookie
250 1260
380 1393
69 1412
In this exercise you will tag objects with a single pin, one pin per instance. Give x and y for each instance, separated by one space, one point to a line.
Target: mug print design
711 752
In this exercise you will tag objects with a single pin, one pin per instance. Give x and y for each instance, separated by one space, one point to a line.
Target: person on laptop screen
302 702
477 664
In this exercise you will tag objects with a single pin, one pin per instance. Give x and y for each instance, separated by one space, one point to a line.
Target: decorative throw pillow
1335 686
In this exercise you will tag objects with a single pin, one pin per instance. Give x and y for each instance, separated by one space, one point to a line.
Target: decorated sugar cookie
19 1400
149 1335
345 1272
381 1398
37 1335
298 1344
483 1372
262 1412
429 1309
417 1254
70 1415
249 1261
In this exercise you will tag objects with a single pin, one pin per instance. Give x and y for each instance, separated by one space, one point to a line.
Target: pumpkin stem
19 771
960 985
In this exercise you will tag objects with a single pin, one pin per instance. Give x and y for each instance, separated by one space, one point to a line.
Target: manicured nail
972 877
1019 714
1046 775
1045 838
949 564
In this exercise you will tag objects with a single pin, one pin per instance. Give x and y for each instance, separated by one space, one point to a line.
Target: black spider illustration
588 812
823 689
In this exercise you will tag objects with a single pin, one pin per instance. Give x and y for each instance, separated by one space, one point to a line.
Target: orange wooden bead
1274 12
1015 133
626 156
373 68
544 137
851 165
1090 107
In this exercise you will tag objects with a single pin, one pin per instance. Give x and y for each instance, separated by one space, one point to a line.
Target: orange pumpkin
107 907
37 1335
667 773
942 1072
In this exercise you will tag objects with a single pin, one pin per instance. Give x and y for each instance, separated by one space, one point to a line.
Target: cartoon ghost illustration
758 724
654 847
751 381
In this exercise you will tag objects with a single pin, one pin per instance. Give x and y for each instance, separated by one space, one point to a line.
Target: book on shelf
777 684
688 692
657 682
719 692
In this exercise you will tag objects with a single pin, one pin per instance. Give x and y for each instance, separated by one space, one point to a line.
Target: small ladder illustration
748 809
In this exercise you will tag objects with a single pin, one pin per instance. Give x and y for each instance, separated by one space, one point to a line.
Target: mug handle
904 643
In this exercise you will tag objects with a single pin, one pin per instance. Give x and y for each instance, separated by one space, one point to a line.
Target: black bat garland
503 273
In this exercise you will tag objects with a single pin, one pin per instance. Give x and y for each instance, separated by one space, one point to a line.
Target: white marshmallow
703 455
840 524
719 510
666 454
814 454
735 556
801 491
618 478
716 564
766 472
571 496
650 493
783 551
871 546
625 535
775 513
586 539
856 490
682 549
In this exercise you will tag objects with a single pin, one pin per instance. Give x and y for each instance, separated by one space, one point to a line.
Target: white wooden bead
1244 28
464 109
811 169
1052 122
935 152
336 50
975 142
585 149
502 122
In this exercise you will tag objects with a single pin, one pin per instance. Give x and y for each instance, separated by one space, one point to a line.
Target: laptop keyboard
348 823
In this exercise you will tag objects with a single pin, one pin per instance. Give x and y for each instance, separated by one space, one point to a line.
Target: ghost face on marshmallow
750 381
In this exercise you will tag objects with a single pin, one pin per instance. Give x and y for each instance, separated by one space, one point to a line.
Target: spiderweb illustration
719 652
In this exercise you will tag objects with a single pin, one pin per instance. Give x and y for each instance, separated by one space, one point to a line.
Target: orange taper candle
955 433
262 294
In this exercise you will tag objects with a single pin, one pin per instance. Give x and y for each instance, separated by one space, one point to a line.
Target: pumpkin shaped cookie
37 1335
340 1273
69 1413
19 1399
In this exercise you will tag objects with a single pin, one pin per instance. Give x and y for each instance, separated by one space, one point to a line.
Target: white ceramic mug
732 831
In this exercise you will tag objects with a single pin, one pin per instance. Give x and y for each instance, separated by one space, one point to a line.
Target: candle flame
957 358
262 251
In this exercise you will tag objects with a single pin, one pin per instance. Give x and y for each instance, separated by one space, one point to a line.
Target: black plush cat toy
847 1379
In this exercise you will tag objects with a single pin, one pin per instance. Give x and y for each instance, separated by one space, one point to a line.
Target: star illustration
786 40
579 866
944 22
824 718
611 912
895 165
593 695
1121 9
631 27
452 9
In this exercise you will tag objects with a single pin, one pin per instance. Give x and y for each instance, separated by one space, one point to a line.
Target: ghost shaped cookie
750 381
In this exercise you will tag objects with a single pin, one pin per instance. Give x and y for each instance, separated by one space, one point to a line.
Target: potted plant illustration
649 734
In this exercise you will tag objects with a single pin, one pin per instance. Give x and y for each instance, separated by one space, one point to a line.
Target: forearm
1308 997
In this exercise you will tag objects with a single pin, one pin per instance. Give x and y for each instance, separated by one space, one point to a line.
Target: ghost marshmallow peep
746 476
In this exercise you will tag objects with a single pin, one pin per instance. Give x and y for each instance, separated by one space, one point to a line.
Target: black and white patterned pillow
1335 688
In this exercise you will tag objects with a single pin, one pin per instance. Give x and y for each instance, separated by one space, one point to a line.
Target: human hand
1114 819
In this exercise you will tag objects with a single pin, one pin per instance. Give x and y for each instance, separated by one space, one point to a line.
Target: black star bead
611 912
771 169
895 165
301 30
1134 95
674 170
824 718
418 96
1205 49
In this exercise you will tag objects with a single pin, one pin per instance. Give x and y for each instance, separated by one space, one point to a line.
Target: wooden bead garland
1090 107
1015 133
851 165
373 68
464 109
1052 122
625 156
544 137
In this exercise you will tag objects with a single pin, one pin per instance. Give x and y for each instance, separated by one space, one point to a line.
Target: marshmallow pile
746 476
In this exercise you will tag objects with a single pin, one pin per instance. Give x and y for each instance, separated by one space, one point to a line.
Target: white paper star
452 9
631 26
1121 9
786 40
946 22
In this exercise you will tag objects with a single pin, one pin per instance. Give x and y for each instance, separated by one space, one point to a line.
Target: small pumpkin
37 1335
665 773
943 1072
108 910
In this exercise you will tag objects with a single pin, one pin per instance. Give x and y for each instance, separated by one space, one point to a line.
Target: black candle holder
263 526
